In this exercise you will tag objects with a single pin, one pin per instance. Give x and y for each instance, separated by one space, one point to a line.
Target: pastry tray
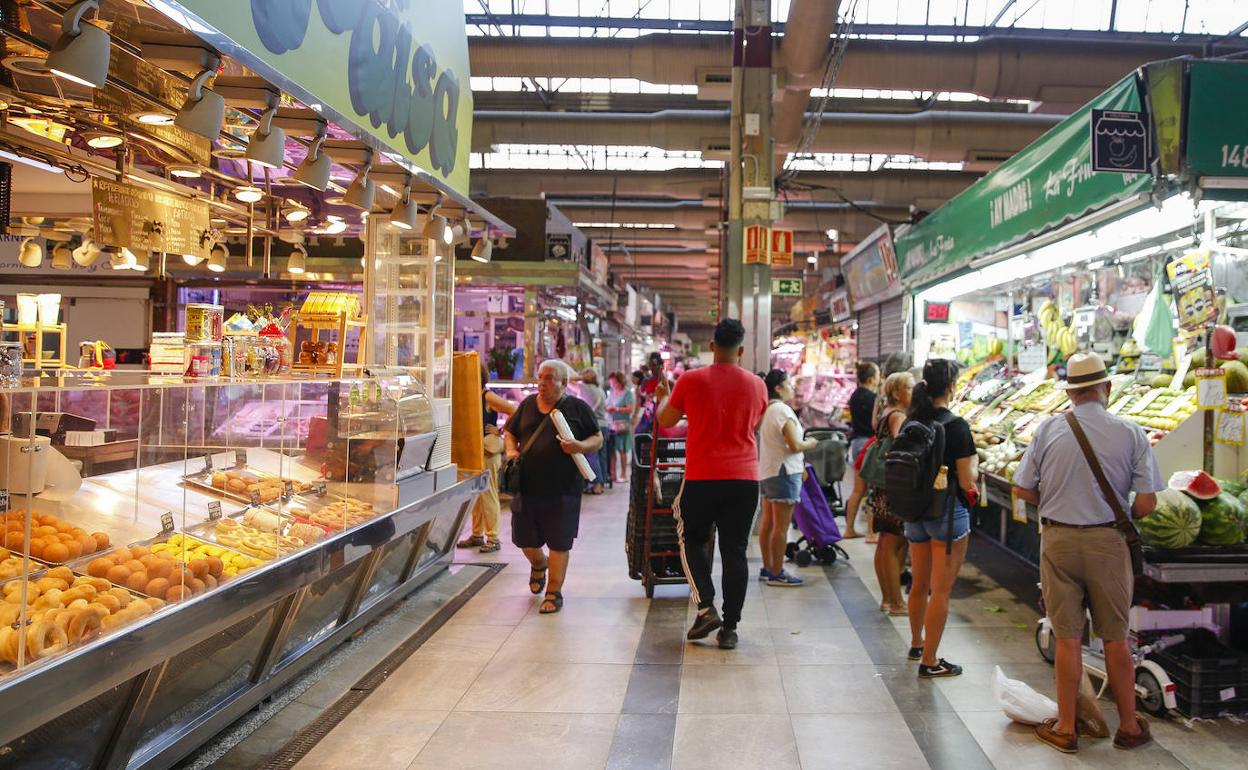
203 480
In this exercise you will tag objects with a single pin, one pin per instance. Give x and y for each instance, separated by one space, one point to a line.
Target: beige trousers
485 512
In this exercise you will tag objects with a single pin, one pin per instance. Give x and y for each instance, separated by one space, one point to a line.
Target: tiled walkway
819 681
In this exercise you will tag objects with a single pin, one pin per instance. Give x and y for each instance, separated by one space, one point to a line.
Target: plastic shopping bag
1019 701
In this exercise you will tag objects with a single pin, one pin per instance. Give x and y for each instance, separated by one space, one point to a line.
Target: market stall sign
757 243
396 71
781 248
786 287
1119 141
1217 113
1191 279
1046 185
871 270
838 303
143 218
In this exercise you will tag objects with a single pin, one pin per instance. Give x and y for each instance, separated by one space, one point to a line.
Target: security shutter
869 334
892 327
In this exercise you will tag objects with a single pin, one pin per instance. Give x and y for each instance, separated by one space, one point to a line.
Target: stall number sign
1230 426
782 248
1119 142
1211 388
757 244
786 287
1033 358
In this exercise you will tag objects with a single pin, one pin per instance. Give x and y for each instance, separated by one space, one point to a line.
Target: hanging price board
1211 388
1229 428
1018 508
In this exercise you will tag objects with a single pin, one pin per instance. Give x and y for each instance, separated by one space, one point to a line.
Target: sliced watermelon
1196 484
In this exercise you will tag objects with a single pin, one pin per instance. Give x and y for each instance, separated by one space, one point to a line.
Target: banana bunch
1056 334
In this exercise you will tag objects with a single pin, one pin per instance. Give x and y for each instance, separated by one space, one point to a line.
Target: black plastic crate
1209 677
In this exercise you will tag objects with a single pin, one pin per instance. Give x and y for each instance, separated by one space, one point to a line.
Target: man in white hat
1083 555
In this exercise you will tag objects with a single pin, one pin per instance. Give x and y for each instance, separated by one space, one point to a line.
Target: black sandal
536 584
553 600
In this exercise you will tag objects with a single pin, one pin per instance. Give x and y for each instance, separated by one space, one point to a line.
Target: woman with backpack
781 464
938 545
890 549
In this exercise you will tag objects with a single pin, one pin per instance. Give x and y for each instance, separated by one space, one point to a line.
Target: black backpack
910 470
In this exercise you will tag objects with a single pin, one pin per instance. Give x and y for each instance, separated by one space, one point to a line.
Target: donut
123 596
13 591
8 644
154 602
45 584
85 623
108 602
51 600
9 614
44 638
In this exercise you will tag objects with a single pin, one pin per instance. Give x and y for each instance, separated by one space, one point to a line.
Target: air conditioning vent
714 84
716 149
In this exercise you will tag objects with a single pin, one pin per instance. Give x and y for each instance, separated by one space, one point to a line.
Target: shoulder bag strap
528 444
1107 491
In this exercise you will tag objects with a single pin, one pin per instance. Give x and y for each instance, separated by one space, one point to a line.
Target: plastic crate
1210 678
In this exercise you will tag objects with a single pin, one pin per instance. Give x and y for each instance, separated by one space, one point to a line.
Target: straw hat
1084 370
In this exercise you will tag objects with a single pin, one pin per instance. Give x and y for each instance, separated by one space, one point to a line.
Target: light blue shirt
1068 490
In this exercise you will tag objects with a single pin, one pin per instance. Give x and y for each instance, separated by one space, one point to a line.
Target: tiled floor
819 681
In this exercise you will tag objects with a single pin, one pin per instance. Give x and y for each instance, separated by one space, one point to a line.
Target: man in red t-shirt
724 404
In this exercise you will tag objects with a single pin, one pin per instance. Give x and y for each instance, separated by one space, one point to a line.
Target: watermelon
1236 376
1174 524
1222 521
1197 484
1232 487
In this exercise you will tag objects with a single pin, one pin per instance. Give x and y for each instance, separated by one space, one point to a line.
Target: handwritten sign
1229 428
214 510
1018 508
1211 388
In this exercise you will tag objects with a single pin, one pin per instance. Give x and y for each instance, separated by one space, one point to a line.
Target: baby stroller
830 459
815 521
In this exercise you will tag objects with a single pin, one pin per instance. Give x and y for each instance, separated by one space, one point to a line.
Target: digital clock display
936 312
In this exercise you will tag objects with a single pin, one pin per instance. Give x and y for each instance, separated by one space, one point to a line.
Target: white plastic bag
1019 701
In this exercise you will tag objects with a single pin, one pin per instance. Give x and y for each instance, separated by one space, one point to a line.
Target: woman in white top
780 464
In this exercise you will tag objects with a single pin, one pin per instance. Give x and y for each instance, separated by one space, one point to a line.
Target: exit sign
786 287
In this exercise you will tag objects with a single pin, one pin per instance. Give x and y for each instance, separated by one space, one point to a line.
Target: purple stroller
814 519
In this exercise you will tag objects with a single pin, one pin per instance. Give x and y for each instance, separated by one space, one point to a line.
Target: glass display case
243 524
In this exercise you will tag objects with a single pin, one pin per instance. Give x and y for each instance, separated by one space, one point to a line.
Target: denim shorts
938 529
855 446
784 488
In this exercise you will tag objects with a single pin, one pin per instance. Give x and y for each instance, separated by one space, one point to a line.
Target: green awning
1046 185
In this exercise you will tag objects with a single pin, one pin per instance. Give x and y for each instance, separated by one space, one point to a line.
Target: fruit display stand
201 601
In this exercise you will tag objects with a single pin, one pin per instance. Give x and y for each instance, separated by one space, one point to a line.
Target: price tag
983 492
4 500
1018 508
1180 373
1227 693
1028 388
993 418
1117 406
240 458
208 462
255 497
1229 428
288 489
1033 358
214 510
1211 388
319 488
1142 404
1177 403
166 523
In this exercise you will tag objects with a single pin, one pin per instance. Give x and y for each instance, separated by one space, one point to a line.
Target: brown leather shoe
1047 732
1128 742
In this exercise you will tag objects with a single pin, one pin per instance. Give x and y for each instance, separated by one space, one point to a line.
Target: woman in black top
938 548
862 428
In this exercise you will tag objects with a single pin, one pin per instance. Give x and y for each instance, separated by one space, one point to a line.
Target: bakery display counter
142 611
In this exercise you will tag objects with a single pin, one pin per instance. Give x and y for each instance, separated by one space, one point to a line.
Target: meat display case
149 606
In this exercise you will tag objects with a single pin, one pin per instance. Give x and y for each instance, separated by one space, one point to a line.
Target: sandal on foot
552 603
537 580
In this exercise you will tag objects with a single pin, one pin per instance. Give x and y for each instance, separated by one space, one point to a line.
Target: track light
122 259
102 140
405 211
203 112
62 258
82 51
295 214
216 258
268 144
192 259
436 227
31 253
316 166
249 194
462 231
185 170
483 251
298 260
87 252
362 190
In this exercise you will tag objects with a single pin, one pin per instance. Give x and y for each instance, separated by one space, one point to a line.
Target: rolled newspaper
565 432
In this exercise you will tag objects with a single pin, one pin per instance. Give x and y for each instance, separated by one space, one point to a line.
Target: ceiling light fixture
268 144
203 112
405 211
41 126
185 170
86 253
216 258
462 232
30 162
142 260
483 251
81 53
122 259
362 190
30 253
192 259
249 194
154 118
62 257
316 166
295 213
436 228
335 226
102 140
297 263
